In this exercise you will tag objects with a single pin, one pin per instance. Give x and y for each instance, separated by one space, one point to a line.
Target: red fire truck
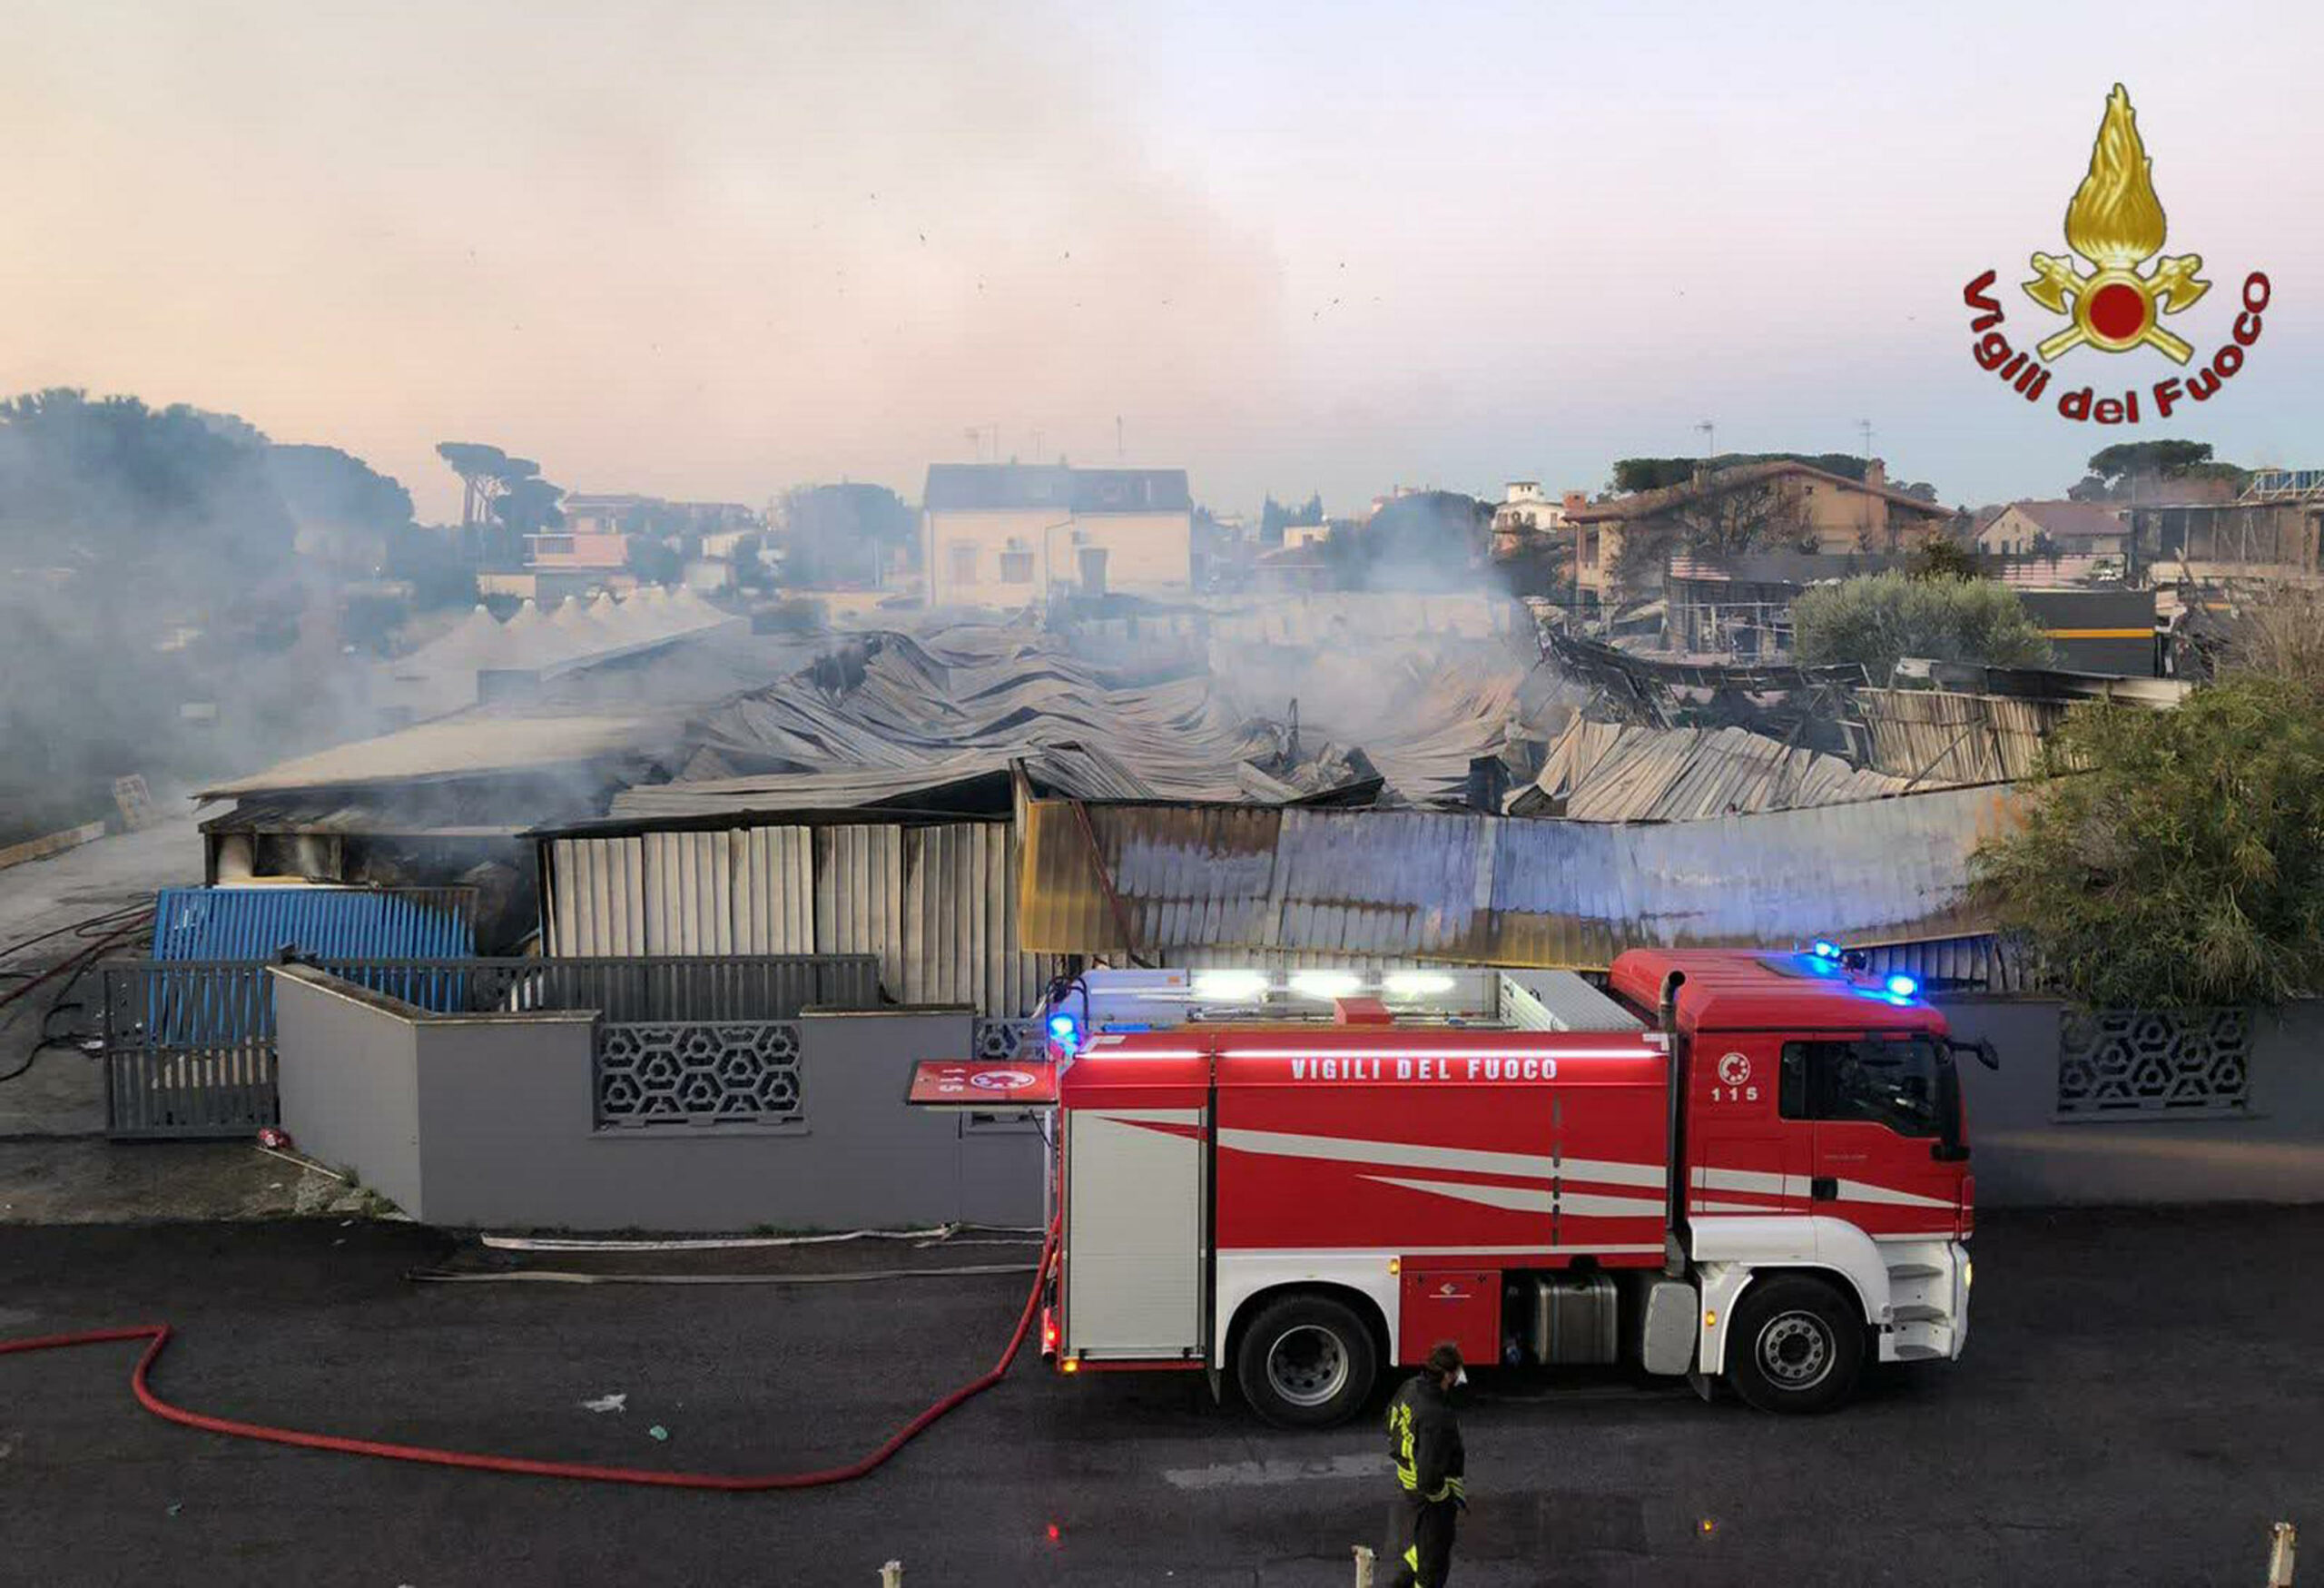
1737 1165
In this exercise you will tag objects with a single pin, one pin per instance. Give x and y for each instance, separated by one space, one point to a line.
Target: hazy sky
712 250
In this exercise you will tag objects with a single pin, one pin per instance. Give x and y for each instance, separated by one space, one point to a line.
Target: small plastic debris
176 1507
607 1403
659 1432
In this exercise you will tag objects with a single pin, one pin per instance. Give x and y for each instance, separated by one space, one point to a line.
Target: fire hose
157 1338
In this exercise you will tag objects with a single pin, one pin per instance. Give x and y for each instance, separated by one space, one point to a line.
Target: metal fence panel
774 891
596 896
189 1050
689 882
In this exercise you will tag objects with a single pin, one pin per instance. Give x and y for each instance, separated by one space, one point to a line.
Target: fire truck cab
1747 1166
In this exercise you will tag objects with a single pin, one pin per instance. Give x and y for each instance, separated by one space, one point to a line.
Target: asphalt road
2140 1400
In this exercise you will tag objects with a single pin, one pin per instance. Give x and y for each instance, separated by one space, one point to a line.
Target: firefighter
1425 1443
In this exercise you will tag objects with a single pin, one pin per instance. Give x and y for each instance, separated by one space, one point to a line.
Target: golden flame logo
2116 222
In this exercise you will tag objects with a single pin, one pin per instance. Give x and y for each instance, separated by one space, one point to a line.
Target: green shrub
1874 621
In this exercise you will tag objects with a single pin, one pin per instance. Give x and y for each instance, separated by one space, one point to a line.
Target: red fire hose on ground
158 1338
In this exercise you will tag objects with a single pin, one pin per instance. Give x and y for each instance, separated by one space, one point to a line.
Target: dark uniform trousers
1425 1443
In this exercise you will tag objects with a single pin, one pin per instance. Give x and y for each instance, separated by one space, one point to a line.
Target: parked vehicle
1740 1166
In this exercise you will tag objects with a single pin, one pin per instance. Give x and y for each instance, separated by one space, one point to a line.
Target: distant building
1005 534
2074 528
1803 508
572 550
1526 511
2273 530
605 514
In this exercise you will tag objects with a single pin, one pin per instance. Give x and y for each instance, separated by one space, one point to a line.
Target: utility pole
1710 439
1863 427
1117 438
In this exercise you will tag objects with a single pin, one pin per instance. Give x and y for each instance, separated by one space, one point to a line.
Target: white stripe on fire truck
1307 1254
1531 1199
1775 1185
1414 1155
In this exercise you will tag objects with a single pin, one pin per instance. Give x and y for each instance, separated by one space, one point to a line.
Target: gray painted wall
502 1127
353 1098
487 1119
2027 1156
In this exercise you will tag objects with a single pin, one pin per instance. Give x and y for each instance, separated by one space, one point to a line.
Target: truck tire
1794 1344
1306 1361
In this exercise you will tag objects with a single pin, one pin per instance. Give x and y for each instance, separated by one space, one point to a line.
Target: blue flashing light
1826 949
1902 986
1062 1030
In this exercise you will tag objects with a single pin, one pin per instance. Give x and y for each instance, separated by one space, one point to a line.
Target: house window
1015 567
963 562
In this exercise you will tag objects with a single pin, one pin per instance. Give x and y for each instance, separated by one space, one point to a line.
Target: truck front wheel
1794 1345
1306 1361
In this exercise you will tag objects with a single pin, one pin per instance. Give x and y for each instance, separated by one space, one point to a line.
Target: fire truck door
1742 1154
1875 1102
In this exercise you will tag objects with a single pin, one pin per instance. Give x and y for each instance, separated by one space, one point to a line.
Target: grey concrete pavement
54 1164
2138 1403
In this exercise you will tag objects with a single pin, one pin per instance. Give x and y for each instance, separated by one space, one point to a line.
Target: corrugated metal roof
1498 890
470 746
1939 736
358 923
906 716
1610 772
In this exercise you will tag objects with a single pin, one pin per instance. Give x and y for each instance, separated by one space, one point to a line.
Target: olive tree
1874 621
2186 864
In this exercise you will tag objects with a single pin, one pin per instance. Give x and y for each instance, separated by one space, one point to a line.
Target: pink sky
712 250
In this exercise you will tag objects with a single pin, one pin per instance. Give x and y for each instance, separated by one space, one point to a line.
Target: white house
1006 534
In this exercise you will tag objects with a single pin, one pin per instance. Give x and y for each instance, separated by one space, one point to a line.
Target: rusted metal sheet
1497 890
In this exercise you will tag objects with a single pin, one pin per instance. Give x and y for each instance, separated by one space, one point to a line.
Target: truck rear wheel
1306 1361
1794 1345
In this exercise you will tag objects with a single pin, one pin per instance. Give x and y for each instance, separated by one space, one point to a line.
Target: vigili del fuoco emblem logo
2114 225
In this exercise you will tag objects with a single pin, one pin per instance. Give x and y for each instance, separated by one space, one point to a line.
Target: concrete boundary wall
2026 1154
490 1120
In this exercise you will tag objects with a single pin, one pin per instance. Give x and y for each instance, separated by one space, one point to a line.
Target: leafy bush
2187 866
1874 621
